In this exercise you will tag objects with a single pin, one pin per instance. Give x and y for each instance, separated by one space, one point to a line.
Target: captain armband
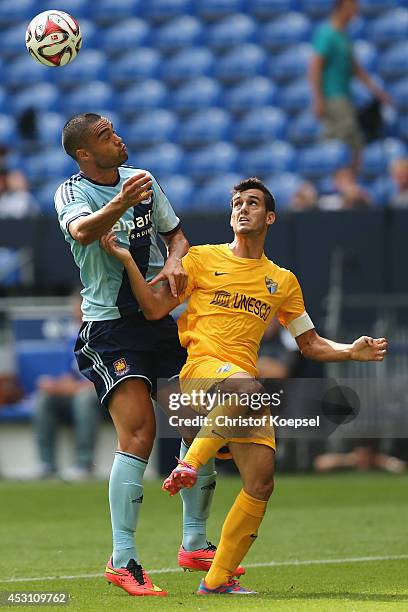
300 325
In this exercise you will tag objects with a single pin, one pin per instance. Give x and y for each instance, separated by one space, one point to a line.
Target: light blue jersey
107 293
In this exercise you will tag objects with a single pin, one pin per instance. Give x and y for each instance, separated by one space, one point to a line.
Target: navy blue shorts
109 352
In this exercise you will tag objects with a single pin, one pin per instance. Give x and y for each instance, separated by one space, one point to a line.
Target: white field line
172 570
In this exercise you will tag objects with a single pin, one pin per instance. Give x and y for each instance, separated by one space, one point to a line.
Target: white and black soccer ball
53 38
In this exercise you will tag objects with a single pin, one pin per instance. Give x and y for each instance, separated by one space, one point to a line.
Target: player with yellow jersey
234 291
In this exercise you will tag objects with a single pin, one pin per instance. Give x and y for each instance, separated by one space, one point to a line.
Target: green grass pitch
316 549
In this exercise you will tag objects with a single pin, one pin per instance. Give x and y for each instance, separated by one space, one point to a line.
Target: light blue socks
125 498
196 505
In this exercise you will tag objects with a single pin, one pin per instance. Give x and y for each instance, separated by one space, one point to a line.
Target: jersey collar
100 184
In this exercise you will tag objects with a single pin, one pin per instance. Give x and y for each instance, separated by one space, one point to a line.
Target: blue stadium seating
293 63
283 187
187 64
261 125
242 62
24 71
375 7
142 96
195 95
50 127
88 97
141 63
316 8
394 149
366 54
286 30
215 194
399 94
76 8
108 11
48 164
179 189
390 27
17 10
304 129
219 158
394 61
161 160
124 36
266 9
380 190
232 31
268 159
250 94
162 10
403 126
8 130
12 40
45 194
373 160
151 128
179 33
4 102
35 359
91 66
90 34
357 27
215 9
323 159
205 127
43 96
296 97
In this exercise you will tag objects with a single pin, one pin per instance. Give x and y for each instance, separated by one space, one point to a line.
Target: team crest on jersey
121 367
271 285
224 368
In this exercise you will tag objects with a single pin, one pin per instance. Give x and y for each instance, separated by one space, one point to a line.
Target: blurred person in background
305 198
68 396
347 193
399 175
16 201
332 68
365 455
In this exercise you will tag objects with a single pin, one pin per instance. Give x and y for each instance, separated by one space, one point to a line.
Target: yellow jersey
232 300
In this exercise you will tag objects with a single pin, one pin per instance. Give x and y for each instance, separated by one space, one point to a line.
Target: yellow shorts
203 374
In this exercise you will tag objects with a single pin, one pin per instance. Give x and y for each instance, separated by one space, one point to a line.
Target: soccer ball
53 38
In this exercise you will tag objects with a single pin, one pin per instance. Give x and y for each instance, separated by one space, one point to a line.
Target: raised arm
88 228
173 272
364 348
155 304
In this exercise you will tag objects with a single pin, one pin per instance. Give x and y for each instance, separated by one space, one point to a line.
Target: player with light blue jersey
119 350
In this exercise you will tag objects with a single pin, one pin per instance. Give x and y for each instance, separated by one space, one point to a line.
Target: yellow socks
203 449
239 531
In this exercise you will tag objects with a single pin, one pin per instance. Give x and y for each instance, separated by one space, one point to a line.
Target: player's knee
137 441
261 488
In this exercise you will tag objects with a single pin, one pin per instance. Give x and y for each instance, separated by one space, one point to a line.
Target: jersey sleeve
191 264
322 41
291 313
164 215
70 203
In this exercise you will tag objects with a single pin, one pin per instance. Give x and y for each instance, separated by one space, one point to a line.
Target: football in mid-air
53 38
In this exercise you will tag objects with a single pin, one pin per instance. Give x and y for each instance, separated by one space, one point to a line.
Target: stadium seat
10 267
215 194
394 149
293 63
161 160
43 96
304 129
394 61
283 187
37 358
232 31
323 159
92 66
50 128
357 27
242 62
250 94
8 130
195 95
45 194
48 164
216 9
151 128
390 27
403 126
285 31
91 95
399 94
12 40
373 160
4 102
126 35
178 33
261 125
143 96
376 7
76 8
17 10
24 71
360 94
90 34
267 9
218 158
108 11
205 127
179 189
366 54
268 159
187 64
295 97
317 9
141 63
381 190
162 10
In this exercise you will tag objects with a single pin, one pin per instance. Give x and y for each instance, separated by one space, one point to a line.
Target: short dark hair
255 183
75 131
